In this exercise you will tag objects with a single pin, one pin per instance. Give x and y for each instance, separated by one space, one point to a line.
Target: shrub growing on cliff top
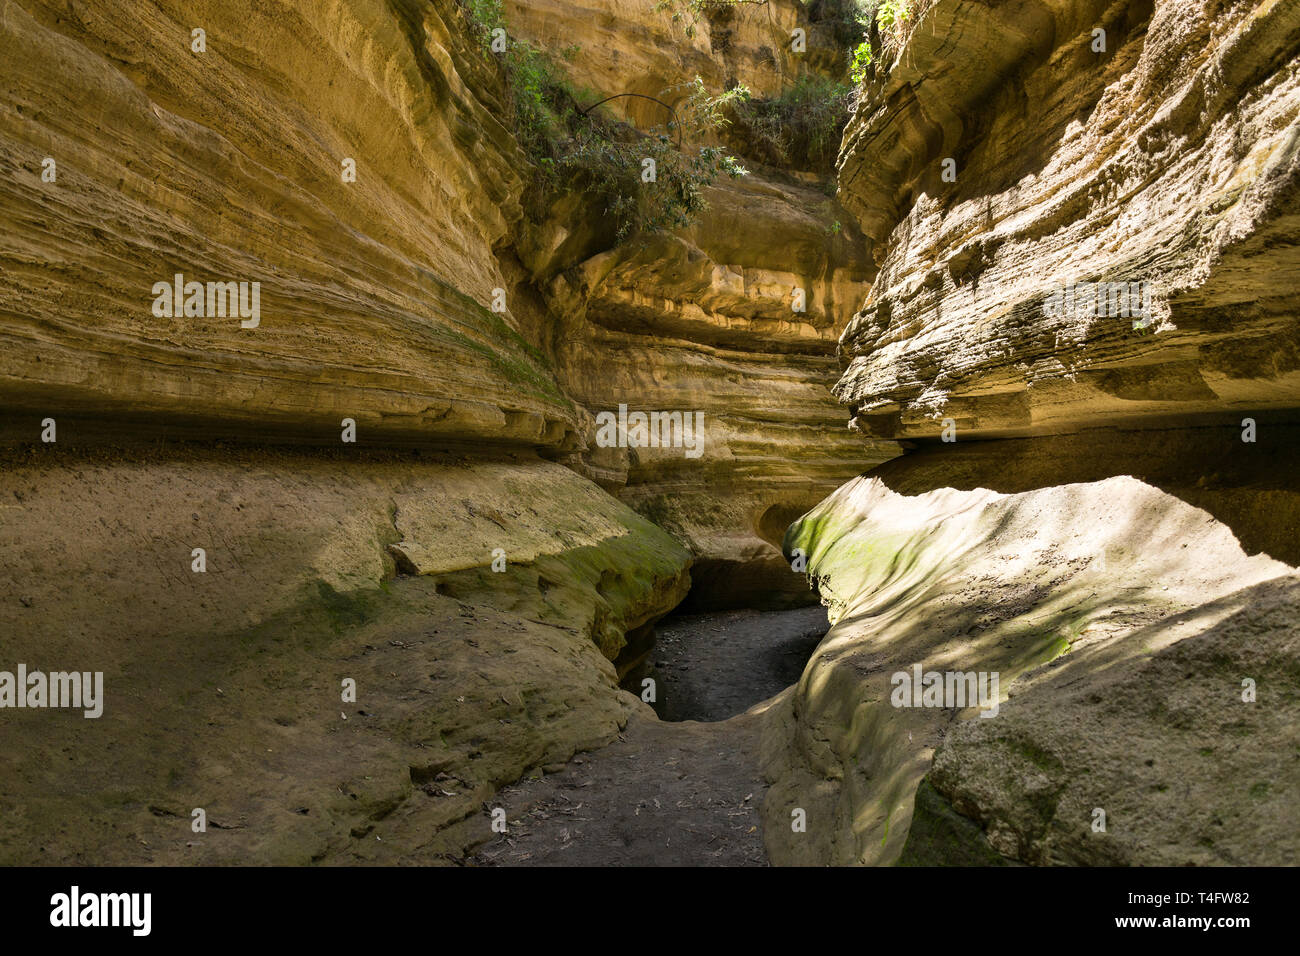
484 16
801 127
887 24
572 146
606 157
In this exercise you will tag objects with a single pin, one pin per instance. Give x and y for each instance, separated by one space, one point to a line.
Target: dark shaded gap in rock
709 667
761 584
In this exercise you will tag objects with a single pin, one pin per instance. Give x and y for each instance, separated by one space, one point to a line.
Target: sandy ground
671 793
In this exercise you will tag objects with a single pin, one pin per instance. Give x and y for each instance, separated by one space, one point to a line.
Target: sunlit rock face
229 165
378 297
1171 158
1123 573
648 48
701 322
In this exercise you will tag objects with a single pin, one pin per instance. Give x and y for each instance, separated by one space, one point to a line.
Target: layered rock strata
1124 560
1008 151
735 317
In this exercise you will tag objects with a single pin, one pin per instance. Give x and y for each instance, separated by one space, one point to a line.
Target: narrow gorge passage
710 667
682 789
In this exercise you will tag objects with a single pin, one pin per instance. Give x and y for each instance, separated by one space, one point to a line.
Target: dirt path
670 793
714 666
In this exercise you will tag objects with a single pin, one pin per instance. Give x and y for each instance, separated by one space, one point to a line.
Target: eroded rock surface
227 160
705 319
378 297
488 605
1170 158
1162 741
1135 529
226 165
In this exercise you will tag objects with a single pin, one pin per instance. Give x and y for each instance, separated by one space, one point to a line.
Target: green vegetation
860 62
851 22
894 21
610 159
801 127
579 148
484 16
575 144
874 26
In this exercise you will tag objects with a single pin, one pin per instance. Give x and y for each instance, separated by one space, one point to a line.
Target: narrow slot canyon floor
714 666
682 790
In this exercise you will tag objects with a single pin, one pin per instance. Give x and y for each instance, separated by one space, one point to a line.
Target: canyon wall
227 165
154 529
1171 158
379 298
1117 509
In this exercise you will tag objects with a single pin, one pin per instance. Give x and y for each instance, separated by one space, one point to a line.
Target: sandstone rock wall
376 295
653 48
632 46
227 165
702 322
1171 158
704 319
1118 555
